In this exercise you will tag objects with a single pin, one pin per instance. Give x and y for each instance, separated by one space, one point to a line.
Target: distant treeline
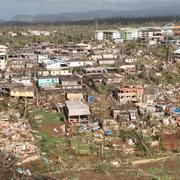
130 20
111 21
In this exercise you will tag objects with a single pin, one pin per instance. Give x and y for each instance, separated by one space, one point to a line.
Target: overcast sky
9 8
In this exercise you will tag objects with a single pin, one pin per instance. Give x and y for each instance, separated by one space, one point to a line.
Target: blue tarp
108 132
91 99
177 110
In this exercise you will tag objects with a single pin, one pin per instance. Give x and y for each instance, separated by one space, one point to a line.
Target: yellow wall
74 96
16 93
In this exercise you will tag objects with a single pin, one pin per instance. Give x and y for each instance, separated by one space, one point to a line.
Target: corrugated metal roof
77 108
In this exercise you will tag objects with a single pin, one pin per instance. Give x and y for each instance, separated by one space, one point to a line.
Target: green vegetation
104 89
101 167
63 34
3 106
41 117
141 143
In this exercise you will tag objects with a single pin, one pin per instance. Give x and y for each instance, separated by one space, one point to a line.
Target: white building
130 60
150 33
80 63
39 33
129 34
25 81
177 55
101 35
42 58
3 61
61 72
56 64
167 30
3 57
3 48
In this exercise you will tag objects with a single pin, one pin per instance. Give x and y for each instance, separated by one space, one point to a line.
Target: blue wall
44 82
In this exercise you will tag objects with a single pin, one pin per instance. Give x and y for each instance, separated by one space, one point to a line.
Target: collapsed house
127 111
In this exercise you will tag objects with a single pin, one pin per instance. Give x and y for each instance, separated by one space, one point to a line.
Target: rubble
17 139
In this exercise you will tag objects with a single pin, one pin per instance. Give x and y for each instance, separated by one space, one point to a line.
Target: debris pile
17 139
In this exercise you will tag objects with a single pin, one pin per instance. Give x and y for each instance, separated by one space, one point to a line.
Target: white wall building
80 63
25 81
39 33
42 58
61 72
177 55
3 57
150 33
101 35
167 30
3 60
129 34
56 64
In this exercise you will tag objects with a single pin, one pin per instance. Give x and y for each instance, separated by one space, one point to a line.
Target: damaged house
70 82
129 94
127 111
22 91
77 112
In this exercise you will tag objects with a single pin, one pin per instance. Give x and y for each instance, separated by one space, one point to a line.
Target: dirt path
144 161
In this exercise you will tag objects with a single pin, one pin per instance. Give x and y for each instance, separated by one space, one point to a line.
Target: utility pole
25 108
96 22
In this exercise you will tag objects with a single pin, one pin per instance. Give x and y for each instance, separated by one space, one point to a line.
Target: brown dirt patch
171 141
52 129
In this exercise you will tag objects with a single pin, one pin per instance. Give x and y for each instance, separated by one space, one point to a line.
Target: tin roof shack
70 82
22 91
127 111
48 81
132 93
77 112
